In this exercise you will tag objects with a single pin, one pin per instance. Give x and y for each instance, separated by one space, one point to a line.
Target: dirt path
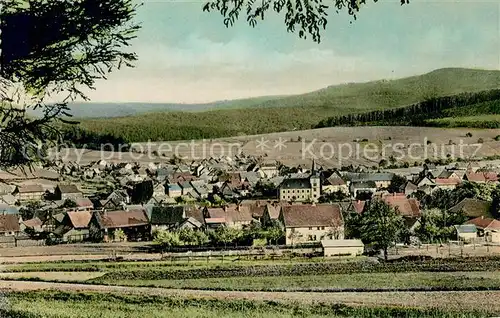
58 258
53 276
449 300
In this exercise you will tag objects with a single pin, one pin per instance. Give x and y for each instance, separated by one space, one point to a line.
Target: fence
182 249
449 249
12 241
242 255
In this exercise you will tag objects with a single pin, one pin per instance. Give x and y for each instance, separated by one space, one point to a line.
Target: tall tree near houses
380 225
54 50
495 204
308 17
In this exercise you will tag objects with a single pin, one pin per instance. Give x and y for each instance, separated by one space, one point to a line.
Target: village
226 201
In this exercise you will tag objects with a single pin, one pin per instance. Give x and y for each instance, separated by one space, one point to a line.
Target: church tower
315 181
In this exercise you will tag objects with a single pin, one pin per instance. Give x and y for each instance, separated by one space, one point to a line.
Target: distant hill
106 110
292 112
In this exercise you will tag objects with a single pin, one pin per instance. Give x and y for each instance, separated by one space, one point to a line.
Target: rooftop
307 215
117 219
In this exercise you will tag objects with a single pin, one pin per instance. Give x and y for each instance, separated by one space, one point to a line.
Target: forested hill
419 114
295 112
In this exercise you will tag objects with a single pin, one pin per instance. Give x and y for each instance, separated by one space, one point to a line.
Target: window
310 238
319 228
310 228
322 227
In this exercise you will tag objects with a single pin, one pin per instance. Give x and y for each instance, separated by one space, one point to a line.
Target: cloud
186 55
200 70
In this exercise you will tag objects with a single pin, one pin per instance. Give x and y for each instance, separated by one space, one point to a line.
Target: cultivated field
331 146
350 287
93 283
136 303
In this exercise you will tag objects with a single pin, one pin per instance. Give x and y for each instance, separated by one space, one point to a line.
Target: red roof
84 203
359 206
481 176
336 181
9 223
182 176
407 207
308 215
117 219
232 213
33 223
80 219
215 220
485 223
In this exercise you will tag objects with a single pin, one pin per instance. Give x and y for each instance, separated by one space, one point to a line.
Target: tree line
413 115
82 138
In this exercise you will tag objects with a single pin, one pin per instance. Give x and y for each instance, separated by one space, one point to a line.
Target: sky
189 56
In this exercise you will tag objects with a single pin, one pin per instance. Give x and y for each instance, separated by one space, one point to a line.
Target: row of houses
428 181
302 223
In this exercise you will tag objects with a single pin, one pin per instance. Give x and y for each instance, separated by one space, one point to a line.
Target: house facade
67 192
312 223
382 180
234 216
342 247
9 225
74 227
33 192
174 217
300 189
466 232
357 188
488 228
134 223
335 184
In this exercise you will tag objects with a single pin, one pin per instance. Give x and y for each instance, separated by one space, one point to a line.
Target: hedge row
434 265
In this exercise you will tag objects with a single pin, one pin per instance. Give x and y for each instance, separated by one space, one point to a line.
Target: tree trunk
385 253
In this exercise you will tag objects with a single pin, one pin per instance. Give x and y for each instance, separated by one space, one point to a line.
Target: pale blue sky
186 55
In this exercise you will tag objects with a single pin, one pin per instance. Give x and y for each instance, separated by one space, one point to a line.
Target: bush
480 141
119 236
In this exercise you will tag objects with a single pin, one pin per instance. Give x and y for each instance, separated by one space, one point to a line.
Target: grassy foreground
52 304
